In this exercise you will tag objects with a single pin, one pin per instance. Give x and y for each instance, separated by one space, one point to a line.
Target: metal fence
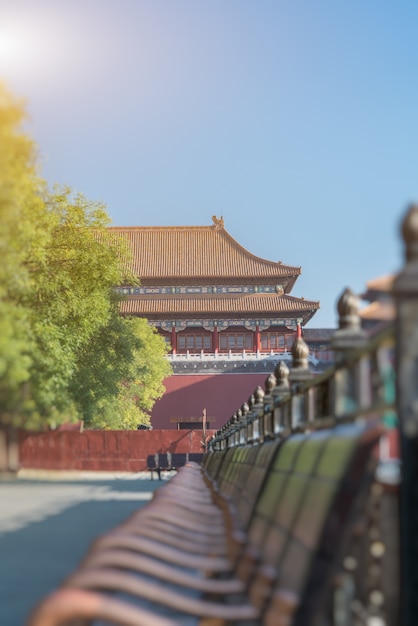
374 374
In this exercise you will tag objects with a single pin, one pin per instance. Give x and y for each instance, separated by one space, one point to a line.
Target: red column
173 340
215 339
257 339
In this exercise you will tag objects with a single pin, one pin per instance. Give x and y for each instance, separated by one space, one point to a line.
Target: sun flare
12 47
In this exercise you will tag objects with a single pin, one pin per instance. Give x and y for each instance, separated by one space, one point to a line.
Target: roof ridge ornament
218 223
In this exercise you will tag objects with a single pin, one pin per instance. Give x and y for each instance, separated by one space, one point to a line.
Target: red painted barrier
105 450
125 450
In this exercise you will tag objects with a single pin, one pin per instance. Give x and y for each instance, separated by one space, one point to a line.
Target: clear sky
297 120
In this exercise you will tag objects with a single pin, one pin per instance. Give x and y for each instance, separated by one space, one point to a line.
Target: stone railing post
235 428
406 298
249 415
238 419
258 414
348 390
268 428
299 374
243 437
214 443
224 439
281 403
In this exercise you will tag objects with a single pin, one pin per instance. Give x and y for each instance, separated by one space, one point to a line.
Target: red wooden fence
93 450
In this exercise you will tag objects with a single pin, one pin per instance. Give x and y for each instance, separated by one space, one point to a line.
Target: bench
170 461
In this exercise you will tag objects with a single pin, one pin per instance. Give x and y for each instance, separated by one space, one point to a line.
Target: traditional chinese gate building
221 309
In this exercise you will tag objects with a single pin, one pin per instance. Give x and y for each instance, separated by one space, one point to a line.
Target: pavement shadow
35 559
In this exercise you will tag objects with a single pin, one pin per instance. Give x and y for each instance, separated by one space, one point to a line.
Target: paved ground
46 528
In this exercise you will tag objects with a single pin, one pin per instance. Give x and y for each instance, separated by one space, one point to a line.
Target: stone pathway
47 527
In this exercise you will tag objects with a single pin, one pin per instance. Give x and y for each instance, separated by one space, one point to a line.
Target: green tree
20 234
102 364
70 301
64 350
122 399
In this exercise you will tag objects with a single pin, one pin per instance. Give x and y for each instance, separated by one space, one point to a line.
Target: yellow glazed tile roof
195 251
248 304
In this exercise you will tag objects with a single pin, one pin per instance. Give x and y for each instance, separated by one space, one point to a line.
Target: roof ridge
197 251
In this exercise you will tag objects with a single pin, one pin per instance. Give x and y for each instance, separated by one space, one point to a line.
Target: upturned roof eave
291 282
217 238
292 270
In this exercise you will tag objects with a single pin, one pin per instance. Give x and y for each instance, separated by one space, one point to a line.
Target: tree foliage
20 190
122 398
64 350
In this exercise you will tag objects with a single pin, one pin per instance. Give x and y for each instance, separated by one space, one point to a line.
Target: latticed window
235 341
276 341
194 342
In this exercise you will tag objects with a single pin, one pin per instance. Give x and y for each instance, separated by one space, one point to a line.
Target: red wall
220 394
186 396
116 451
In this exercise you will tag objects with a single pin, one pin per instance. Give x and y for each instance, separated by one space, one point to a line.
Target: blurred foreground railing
374 375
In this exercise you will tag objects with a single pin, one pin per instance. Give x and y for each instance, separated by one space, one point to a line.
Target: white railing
210 357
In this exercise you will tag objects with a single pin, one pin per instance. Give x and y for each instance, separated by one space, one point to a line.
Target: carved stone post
216 443
268 429
224 439
281 395
238 428
406 296
257 411
243 437
235 432
347 388
231 425
299 374
250 425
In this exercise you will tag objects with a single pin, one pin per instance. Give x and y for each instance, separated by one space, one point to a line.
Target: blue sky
294 119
